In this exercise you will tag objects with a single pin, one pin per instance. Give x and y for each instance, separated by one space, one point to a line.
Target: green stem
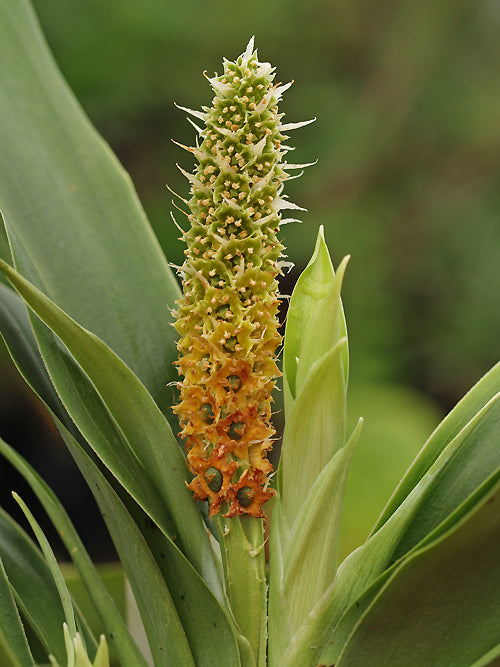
242 545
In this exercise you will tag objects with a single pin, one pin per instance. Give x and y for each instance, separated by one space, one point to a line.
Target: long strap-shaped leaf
35 591
167 639
13 643
204 623
441 606
136 414
352 616
76 227
445 477
463 412
17 333
207 641
115 627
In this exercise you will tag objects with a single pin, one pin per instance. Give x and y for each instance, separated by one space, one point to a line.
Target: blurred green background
407 138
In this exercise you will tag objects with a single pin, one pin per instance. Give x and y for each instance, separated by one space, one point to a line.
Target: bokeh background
407 138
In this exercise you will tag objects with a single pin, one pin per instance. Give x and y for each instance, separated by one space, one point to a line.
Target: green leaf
467 461
33 585
209 634
81 399
310 558
446 480
314 429
136 415
475 399
111 619
13 640
303 558
76 228
471 457
462 466
315 319
491 658
17 333
441 606
314 460
351 617
180 572
50 559
166 635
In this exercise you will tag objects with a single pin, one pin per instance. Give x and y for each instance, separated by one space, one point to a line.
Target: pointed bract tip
250 48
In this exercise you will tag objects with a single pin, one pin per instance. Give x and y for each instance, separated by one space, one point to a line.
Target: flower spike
227 318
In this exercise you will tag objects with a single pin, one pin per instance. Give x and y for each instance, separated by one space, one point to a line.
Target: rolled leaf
314 430
315 319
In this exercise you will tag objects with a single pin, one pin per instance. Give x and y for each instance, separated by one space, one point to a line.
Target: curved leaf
351 617
15 328
137 416
475 399
167 639
50 559
473 456
441 606
33 585
76 228
205 624
462 467
13 642
112 621
188 589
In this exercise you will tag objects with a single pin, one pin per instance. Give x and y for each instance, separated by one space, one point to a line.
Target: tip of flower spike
250 48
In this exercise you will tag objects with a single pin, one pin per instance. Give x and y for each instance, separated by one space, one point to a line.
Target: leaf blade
315 319
115 627
209 634
437 591
33 585
140 420
65 196
12 636
475 399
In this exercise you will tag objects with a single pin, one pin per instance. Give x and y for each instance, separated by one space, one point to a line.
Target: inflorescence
227 318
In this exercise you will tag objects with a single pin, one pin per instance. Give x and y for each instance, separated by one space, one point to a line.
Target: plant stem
242 544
